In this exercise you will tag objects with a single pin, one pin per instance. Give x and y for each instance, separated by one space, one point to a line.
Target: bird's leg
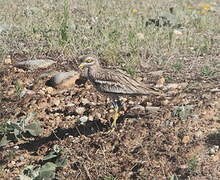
116 103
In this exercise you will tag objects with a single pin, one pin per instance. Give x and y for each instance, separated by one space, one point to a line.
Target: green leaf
4 141
47 171
51 155
17 133
30 172
34 128
61 162
174 177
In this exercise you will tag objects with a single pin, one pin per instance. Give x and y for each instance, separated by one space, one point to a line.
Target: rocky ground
156 138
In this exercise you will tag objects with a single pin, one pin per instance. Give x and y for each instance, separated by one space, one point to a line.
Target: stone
83 119
8 60
186 139
138 108
49 90
152 108
160 82
26 92
4 27
174 86
140 36
198 134
63 80
177 32
156 73
98 115
80 110
34 64
56 102
85 101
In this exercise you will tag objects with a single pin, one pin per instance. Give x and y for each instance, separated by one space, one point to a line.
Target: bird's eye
89 60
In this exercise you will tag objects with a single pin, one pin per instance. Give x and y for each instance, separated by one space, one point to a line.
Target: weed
177 66
10 155
130 70
110 177
183 112
173 177
64 27
51 162
12 131
192 164
18 88
2 173
206 71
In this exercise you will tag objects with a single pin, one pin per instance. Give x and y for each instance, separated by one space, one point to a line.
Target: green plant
206 71
64 27
183 112
18 88
110 177
177 66
9 155
173 177
193 163
12 131
130 70
2 173
51 162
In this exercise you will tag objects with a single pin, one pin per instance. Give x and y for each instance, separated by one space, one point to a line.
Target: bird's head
87 62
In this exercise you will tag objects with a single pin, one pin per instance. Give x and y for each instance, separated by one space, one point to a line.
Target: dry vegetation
179 141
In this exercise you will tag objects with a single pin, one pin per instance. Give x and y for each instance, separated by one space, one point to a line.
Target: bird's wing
118 82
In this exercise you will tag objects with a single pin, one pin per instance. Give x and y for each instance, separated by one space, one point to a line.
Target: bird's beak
81 66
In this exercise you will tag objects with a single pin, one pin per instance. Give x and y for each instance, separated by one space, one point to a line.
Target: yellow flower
189 7
134 11
206 7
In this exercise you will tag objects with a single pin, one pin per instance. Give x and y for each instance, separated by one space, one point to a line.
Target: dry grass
114 31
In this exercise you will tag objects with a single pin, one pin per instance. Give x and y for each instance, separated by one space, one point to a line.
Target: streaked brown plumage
113 82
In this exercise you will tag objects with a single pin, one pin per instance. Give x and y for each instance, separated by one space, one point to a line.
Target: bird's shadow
213 139
86 129
90 127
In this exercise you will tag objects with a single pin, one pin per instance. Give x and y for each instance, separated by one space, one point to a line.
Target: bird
113 83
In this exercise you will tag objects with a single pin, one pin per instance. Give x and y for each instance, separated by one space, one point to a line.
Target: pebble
152 108
34 64
186 139
26 92
56 101
83 119
8 60
156 73
91 118
80 110
49 90
98 115
216 158
85 101
21 158
215 90
198 134
177 32
16 147
138 108
160 82
175 86
131 102
3 27
140 36
165 102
